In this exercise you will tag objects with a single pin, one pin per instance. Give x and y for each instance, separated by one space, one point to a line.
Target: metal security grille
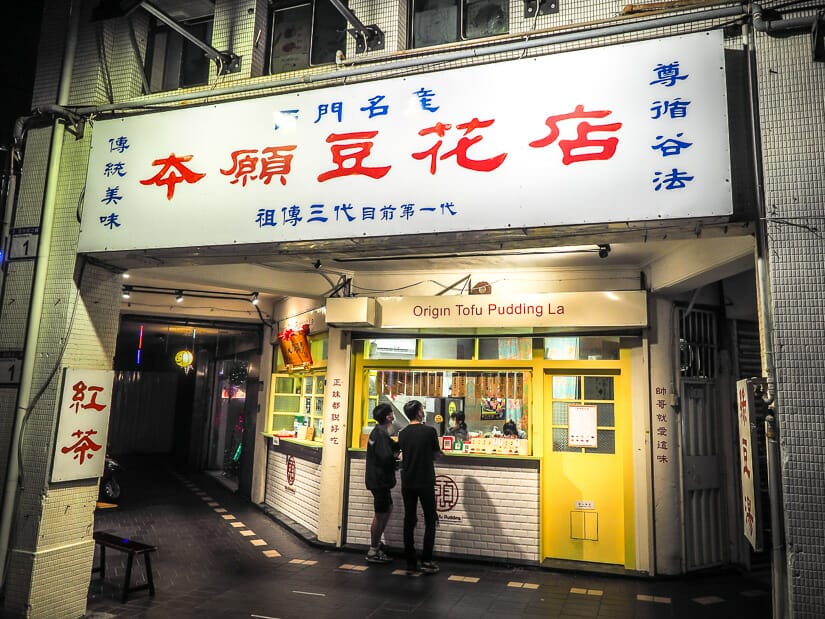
702 505
697 343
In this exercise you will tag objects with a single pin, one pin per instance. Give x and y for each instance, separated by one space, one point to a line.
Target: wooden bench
132 549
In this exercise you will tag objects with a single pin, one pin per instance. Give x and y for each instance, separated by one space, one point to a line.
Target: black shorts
382 500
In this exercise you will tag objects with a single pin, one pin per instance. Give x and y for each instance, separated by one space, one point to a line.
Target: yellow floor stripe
272 553
237 524
228 517
257 542
247 533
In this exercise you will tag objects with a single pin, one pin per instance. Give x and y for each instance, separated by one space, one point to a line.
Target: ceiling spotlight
604 250
127 292
179 296
125 275
254 298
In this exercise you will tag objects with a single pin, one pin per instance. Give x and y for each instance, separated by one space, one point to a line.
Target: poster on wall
493 408
581 428
82 424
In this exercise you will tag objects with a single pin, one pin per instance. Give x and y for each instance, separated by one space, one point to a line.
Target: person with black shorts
380 478
419 448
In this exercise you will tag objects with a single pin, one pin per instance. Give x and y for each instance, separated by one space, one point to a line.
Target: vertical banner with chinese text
83 424
744 397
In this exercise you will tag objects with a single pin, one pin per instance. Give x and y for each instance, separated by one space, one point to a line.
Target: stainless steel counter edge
465 461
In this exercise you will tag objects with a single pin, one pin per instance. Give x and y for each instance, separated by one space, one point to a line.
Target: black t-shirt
419 446
380 468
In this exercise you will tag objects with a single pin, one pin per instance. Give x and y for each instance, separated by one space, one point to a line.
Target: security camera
604 250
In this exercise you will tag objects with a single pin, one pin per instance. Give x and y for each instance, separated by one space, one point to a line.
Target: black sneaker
430 567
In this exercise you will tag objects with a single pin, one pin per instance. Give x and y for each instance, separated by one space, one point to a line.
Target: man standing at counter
419 448
380 478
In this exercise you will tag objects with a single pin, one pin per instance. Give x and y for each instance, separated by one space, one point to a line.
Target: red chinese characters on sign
462 146
79 398
335 428
82 445
661 429
82 426
172 172
584 147
354 151
248 165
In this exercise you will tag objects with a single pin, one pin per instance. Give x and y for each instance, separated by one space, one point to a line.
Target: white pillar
665 444
333 459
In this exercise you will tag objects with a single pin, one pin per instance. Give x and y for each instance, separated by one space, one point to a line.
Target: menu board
581 428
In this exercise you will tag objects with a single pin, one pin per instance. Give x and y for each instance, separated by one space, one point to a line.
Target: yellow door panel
585 466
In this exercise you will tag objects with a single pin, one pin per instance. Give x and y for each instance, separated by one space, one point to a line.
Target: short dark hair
381 412
412 408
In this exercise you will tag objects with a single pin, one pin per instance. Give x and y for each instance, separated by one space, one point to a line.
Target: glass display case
297 406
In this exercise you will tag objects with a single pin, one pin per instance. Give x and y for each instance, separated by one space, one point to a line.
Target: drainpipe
195 97
780 27
37 296
9 188
779 571
9 193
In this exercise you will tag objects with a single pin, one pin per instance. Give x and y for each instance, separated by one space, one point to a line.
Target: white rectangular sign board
83 424
744 396
581 426
629 132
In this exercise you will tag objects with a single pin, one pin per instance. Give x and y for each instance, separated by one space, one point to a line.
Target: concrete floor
221 556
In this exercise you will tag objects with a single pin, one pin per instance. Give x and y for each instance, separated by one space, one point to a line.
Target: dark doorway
188 390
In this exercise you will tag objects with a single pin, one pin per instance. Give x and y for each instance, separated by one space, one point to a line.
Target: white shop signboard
83 424
630 132
750 508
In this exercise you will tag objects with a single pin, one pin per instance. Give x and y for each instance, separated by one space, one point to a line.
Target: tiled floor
220 556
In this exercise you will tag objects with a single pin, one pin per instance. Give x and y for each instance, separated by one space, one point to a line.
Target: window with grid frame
304 34
584 390
173 62
435 22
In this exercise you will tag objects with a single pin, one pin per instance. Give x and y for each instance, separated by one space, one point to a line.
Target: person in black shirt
380 478
419 447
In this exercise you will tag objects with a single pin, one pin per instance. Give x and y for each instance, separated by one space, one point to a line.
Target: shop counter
488 508
293 481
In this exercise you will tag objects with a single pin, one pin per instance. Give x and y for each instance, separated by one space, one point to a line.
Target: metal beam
227 62
367 38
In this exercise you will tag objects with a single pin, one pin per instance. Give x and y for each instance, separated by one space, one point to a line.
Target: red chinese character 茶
83 445
594 149
172 173
354 151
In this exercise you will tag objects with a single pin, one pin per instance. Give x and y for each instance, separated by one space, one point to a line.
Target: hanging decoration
184 358
295 348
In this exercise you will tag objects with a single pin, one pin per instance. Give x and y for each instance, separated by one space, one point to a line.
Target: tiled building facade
76 303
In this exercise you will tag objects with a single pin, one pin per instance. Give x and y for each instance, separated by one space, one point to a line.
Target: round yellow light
184 358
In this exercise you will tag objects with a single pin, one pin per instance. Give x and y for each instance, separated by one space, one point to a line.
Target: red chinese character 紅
79 396
594 149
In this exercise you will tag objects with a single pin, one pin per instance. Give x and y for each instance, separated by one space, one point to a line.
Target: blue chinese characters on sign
669 75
